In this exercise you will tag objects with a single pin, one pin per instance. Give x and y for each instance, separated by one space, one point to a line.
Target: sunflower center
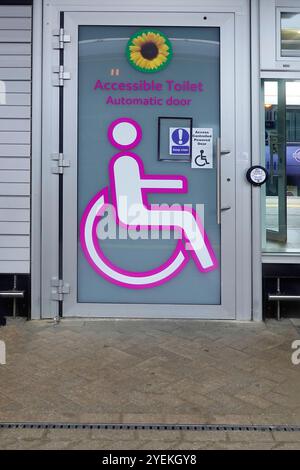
149 50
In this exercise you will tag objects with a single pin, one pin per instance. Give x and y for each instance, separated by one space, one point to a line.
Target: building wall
15 137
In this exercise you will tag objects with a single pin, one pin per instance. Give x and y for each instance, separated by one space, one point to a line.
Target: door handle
219 155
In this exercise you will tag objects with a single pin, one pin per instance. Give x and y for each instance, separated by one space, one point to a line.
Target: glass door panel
104 65
282 160
275 109
146 231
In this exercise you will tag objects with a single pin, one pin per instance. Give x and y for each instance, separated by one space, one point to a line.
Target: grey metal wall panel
14 228
14 202
15 138
15 49
15 11
13 112
14 254
14 215
14 241
11 267
10 163
14 73
15 176
8 35
22 125
16 99
16 86
15 23
7 150
16 189
15 60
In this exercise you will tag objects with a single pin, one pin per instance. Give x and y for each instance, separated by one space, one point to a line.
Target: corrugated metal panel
14 228
15 189
14 137
14 254
8 35
14 241
14 73
15 176
15 23
7 150
15 86
15 126
15 99
11 163
11 267
15 60
15 11
16 215
15 48
12 112
14 202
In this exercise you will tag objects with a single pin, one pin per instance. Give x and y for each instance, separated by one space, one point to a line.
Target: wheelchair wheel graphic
103 266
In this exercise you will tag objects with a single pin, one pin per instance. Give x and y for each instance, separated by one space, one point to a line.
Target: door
275 151
148 200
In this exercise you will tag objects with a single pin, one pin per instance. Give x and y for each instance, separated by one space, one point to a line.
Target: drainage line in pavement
156 427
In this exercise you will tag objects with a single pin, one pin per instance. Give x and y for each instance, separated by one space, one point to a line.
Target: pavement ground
149 371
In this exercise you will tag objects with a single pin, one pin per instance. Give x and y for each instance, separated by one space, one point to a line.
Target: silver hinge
60 38
61 163
59 289
59 75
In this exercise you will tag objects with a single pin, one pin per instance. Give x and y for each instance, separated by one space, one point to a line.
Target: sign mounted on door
180 141
202 148
198 146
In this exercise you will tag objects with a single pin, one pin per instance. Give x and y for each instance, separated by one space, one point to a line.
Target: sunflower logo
149 51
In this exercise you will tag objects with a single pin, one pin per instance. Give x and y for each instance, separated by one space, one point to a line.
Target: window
281 205
289 34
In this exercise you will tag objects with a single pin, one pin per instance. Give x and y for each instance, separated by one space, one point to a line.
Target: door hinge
59 289
61 163
59 75
60 38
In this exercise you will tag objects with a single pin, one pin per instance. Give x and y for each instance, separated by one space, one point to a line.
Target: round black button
257 175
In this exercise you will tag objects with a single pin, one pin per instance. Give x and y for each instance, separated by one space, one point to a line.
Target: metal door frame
227 308
237 92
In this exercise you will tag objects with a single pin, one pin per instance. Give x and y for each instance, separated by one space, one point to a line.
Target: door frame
50 134
226 310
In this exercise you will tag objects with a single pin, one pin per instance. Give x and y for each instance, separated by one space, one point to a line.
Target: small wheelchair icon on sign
201 159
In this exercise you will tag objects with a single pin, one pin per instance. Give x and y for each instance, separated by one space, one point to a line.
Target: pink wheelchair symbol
129 183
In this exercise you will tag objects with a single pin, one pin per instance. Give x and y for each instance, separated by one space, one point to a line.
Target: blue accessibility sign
180 141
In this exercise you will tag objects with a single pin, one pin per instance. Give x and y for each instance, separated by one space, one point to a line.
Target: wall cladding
15 137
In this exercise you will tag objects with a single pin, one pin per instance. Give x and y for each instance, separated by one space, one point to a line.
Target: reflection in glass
290 34
282 160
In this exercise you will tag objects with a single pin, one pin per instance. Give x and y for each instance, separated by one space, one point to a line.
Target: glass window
110 88
290 34
281 205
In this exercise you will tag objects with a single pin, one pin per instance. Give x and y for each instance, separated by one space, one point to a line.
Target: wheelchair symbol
201 160
129 182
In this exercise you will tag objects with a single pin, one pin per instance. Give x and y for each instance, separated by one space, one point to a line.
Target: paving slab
149 371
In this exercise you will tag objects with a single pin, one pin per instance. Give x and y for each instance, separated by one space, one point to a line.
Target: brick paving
149 371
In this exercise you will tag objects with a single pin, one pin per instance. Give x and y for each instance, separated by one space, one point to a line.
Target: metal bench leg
278 301
14 299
